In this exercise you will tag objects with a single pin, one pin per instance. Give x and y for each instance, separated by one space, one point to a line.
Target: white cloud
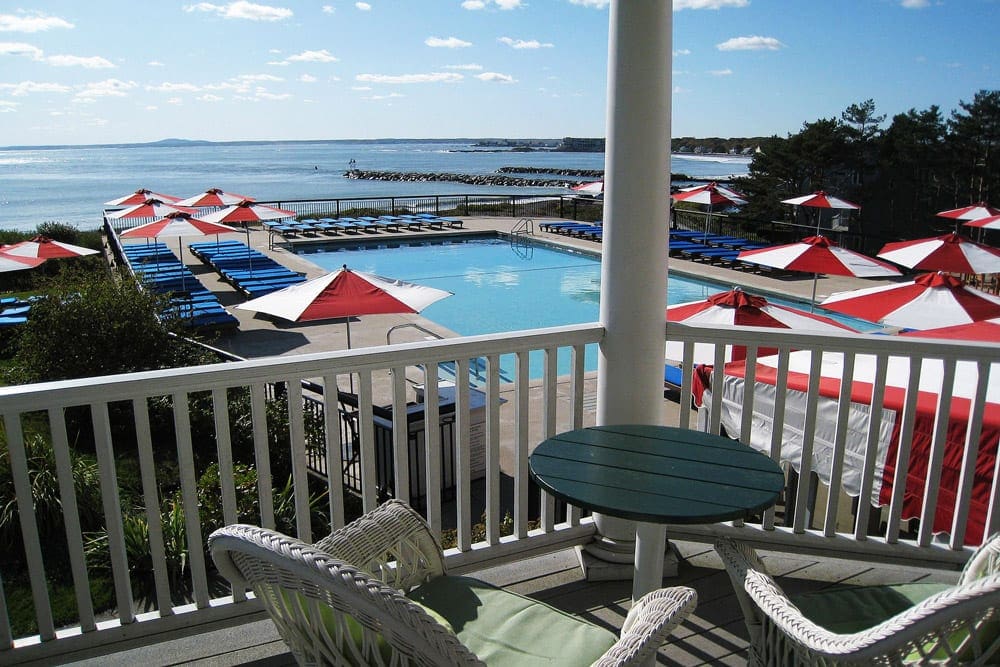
682 52
280 63
914 4
503 5
433 77
241 9
170 87
209 97
596 4
265 95
709 4
363 6
20 49
495 76
27 87
447 42
176 101
321 56
753 43
721 72
6 106
328 9
155 63
258 77
524 44
390 96
151 107
106 88
361 88
89 62
307 78
472 67
35 22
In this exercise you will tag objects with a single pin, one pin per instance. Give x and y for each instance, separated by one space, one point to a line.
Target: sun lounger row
366 224
250 271
588 230
159 270
14 311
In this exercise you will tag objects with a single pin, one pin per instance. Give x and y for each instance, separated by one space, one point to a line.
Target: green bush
62 601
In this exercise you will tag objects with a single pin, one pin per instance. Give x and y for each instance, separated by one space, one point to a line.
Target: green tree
974 141
90 325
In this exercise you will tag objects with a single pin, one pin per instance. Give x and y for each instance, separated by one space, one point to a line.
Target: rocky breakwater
470 179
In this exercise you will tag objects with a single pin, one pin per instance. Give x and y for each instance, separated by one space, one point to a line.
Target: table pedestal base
608 560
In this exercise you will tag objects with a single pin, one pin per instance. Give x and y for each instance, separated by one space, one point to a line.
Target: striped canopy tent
951 252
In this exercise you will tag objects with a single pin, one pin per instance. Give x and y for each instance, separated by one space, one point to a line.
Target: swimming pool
498 286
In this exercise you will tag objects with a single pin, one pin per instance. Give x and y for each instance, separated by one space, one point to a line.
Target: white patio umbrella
345 293
821 200
710 195
213 197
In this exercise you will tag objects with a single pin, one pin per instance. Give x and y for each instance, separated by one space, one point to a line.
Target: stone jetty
471 179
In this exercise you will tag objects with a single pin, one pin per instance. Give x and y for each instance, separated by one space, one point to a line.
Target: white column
634 245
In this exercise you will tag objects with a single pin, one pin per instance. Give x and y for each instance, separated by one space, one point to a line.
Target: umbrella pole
180 256
708 220
812 302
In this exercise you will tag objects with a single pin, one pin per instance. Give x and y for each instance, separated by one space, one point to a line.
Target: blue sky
124 71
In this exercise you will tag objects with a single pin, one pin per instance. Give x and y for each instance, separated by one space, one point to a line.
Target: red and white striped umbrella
821 199
178 223
975 211
45 248
739 308
950 252
593 189
989 222
16 263
710 194
151 208
818 254
139 197
931 300
247 211
213 197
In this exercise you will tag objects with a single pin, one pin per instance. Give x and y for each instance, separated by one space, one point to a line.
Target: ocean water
70 184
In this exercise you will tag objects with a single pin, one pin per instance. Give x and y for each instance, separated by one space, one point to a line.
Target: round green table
656 475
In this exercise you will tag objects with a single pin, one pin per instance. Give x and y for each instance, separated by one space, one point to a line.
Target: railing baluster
333 451
463 453
577 359
189 493
777 427
970 457
297 446
6 637
492 435
873 438
803 495
224 446
939 442
521 448
262 455
29 525
71 518
904 446
151 498
549 376
366 428
432 447
839 446
400 435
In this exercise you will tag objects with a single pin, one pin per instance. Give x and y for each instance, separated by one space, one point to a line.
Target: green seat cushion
504 628
354 630
850 609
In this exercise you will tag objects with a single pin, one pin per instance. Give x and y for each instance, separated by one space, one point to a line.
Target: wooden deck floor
713 635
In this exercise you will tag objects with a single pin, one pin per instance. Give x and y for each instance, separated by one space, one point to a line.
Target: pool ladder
519 234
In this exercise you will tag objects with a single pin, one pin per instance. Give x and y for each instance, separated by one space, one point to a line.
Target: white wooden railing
515 416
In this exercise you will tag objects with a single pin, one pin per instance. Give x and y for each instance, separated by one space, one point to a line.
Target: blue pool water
498 287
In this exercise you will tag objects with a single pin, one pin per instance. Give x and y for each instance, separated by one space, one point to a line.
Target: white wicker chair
956 626
342 602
